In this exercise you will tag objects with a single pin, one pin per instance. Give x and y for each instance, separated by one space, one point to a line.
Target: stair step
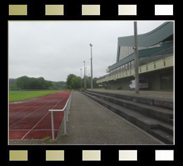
151 111
146 123
162 135
164 103
171 121
166 127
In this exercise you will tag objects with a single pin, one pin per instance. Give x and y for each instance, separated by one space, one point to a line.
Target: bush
84 88
47 138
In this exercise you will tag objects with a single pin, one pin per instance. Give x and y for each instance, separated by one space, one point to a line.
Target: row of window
125 67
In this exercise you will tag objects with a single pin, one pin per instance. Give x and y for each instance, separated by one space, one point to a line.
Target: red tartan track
30 119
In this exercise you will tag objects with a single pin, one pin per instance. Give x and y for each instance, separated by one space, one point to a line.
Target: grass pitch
24 95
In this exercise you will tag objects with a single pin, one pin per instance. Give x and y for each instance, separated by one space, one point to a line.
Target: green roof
151 38
142 53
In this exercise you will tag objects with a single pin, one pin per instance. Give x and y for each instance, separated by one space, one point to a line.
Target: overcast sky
55 49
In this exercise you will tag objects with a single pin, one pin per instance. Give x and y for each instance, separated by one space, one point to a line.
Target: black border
73 153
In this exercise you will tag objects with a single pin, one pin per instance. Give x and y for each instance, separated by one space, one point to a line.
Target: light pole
81 79
84 75
136 59
91 69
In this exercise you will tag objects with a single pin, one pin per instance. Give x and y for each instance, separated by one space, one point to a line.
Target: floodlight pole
84 75
91 69
136 59
81 79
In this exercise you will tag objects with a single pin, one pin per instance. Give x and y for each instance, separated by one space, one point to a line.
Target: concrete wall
122 83
158 80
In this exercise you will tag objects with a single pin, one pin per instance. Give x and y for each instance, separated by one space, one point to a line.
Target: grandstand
155 52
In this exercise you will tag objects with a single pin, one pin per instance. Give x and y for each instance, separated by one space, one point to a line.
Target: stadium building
155 53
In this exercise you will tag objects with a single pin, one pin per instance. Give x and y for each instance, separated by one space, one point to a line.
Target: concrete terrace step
164 103
148 124
171 120
166 127
148 110
161 135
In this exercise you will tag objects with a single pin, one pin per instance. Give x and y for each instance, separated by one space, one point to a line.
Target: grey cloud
54 49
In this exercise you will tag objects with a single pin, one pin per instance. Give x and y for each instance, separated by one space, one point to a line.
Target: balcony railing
142 61
160 55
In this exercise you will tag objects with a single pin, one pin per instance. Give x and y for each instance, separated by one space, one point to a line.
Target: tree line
75 82
31 83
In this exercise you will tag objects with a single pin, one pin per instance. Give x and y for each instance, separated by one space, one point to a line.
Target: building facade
156 56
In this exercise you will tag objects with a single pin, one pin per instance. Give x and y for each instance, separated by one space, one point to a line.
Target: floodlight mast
81 79
136 59
84 75
91 68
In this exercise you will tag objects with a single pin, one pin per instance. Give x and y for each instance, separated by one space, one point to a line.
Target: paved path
91 123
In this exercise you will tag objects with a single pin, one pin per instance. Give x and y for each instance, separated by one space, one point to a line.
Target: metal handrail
66 110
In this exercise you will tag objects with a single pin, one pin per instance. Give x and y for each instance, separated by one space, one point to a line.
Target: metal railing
66 111
160 55
142 61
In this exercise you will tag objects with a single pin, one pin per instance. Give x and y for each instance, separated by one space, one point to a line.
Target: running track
30 119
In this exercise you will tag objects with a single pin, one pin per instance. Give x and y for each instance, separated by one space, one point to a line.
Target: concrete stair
154 119
145 100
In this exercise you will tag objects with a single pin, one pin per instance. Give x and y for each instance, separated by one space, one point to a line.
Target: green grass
23 95
47 138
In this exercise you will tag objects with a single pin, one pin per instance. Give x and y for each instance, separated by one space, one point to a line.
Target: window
143 81
132 64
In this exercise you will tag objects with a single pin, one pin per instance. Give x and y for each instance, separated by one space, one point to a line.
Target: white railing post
52 125
66 112
69 103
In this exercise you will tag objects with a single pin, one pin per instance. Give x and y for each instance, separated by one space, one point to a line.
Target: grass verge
24 95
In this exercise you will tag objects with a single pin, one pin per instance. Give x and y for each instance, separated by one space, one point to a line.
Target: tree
48 84
41 83
88 82
69 81
73 81
76 82
95 85
25 82
22 82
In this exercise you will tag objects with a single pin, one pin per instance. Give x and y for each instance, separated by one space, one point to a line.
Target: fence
66 110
